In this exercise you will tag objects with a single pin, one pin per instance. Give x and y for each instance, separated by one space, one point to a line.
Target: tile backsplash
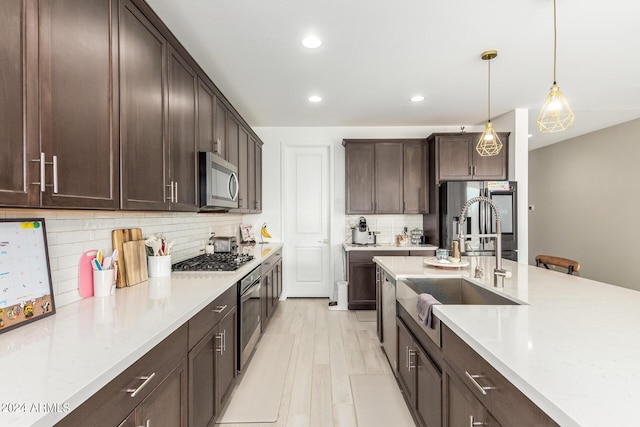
387 225
71 233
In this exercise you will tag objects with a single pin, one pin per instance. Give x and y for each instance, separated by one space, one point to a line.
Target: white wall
517 122
586 203
71 233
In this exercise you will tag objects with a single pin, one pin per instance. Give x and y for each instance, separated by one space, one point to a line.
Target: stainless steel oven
248 316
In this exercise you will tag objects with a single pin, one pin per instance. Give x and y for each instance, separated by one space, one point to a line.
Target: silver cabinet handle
55 174
473 423
41 183
147 378
175 184
411 365
406 357
219 349
219 308
224 340
472 378
170 198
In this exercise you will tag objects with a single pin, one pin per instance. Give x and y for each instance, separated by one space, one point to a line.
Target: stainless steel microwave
218 183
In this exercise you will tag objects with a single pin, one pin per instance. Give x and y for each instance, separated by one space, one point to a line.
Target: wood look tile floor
329 346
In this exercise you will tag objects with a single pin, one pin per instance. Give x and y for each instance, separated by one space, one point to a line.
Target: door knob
323 241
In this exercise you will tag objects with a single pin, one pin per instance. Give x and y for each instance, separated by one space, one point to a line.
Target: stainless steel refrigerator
480 217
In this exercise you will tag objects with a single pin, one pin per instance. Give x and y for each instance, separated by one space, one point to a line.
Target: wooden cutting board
118 237
135 258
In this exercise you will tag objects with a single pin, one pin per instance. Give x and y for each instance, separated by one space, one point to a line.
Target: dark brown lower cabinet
462 408
420 379
212 361
153 388
271 286
473 388
165 406
361 276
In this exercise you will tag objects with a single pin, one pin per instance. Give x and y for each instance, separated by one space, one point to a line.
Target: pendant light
556 115
489 143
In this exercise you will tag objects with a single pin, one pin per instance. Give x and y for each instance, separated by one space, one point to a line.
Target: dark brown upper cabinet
158 119
359 175
220 131
458 160
206 109
182 134
233 129
61 147
243 174
388 173
143 107
386 176
249 155
18 123
416 178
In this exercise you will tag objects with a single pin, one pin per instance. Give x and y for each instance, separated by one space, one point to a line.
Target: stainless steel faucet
498 273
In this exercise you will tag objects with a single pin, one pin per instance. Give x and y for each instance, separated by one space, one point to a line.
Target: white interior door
307 218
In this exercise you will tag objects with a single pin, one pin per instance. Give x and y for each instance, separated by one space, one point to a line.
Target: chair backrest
548 260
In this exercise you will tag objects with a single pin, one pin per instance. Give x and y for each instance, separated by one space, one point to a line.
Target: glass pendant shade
556 115
489 143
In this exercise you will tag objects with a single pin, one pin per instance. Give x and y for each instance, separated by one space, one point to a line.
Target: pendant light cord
489 92
555 37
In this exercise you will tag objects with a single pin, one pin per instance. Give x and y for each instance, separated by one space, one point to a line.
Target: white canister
159 266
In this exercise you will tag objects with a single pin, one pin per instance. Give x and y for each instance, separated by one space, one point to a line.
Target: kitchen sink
457 291
449 291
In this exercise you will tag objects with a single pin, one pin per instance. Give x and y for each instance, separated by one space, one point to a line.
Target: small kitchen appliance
228 244
361 235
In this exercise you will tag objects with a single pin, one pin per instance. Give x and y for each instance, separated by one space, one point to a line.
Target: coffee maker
360 234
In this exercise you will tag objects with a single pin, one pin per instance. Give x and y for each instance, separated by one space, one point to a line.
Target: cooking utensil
154 244
135 258
118 237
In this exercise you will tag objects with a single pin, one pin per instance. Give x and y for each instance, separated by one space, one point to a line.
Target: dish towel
425 307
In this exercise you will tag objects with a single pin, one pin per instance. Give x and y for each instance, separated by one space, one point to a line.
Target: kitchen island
572 346
55 364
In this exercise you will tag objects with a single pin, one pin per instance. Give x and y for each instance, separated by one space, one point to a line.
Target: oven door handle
246 295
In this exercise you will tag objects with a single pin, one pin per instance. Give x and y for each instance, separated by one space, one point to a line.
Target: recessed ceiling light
311 42
417 98
315 98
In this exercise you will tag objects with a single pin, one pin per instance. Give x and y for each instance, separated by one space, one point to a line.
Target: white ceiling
377 54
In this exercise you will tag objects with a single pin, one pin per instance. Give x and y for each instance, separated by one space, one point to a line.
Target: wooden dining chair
548 260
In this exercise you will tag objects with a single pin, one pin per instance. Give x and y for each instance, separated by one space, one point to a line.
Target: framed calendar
26 292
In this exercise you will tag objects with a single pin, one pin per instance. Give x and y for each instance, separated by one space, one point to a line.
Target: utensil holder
159 266
103 283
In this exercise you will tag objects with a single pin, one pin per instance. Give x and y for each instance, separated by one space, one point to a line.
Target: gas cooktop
213 262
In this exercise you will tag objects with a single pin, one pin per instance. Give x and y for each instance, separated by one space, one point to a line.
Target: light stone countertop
573 349
387 247
65 358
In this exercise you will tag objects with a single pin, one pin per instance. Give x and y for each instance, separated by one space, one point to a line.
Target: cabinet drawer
202 322
507 404
112 404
